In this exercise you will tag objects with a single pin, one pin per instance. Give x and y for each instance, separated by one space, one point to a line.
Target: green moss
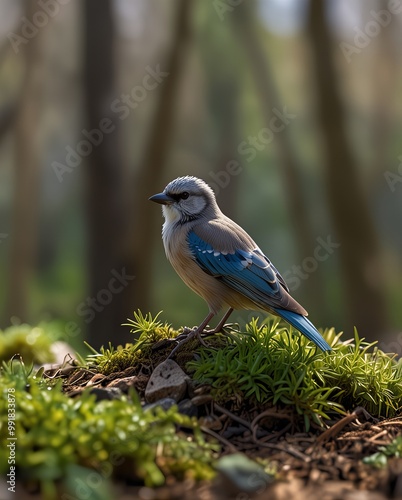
365 376
61 441
270 365
32 343
149 331
55 432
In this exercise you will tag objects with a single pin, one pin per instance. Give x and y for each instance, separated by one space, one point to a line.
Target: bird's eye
184 195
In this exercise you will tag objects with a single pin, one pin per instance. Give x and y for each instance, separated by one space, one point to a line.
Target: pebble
106 393
168 380
164 403
124 383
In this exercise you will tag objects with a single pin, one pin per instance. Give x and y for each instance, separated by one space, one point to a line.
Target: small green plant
112 359
366 376
380 458
55 434
150 330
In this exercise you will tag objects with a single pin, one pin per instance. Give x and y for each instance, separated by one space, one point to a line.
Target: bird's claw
186 335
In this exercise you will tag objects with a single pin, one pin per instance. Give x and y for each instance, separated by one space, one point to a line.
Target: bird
220 262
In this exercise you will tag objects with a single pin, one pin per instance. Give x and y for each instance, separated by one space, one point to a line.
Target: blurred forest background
290 109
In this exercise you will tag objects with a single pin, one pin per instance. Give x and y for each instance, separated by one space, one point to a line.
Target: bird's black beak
162 198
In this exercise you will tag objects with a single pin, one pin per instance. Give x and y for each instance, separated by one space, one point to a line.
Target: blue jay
220 262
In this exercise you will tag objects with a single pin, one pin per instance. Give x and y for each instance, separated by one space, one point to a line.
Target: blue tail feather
305 326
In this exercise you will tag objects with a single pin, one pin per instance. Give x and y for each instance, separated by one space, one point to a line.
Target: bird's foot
187 335
184 334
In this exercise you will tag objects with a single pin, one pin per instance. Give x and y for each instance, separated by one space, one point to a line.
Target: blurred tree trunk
223 84
227 152
313 297
358 251
105 181
384 77
27 178
150 177
7 118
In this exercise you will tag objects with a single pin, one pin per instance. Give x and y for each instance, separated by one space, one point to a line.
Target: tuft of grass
366 376
56 434
149 331
272 365
113 359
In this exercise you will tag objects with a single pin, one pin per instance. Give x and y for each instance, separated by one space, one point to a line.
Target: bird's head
185 199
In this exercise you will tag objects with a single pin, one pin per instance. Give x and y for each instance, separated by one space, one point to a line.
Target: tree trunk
359 250
150 178
384 82
26 180
105 207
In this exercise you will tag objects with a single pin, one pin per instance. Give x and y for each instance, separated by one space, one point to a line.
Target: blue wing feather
247 272
252 274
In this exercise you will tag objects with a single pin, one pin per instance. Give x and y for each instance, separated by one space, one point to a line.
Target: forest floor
254 415
326 464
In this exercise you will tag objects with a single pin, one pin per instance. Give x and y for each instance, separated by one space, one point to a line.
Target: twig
217 436
376 436
333 431
276 435
232 416
270 413
290 450
389 422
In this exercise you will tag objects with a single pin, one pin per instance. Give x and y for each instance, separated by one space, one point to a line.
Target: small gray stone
186 407
168 380
106 393
164 403
124 383
237 473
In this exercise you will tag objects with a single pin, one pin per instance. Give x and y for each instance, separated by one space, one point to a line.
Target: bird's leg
194 333
222 322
